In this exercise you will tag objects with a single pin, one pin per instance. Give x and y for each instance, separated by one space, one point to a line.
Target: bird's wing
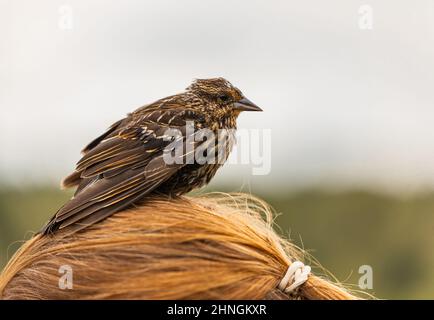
121 167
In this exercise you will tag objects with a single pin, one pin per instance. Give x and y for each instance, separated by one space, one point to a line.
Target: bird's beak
246 105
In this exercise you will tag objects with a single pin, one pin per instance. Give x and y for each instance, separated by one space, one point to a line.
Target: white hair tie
296 275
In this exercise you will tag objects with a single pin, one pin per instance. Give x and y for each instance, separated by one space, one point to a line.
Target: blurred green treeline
342 230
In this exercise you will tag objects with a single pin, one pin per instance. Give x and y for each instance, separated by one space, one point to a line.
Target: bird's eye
223 98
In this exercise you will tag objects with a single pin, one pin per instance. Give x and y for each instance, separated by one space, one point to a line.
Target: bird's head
223 99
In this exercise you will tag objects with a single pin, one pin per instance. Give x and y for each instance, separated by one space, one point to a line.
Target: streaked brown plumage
123 165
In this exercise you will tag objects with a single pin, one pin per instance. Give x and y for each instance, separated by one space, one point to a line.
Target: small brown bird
128 162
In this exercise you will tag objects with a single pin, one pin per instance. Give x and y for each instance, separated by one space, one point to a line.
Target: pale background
346 106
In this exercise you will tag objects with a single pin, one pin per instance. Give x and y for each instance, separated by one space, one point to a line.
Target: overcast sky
346 105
